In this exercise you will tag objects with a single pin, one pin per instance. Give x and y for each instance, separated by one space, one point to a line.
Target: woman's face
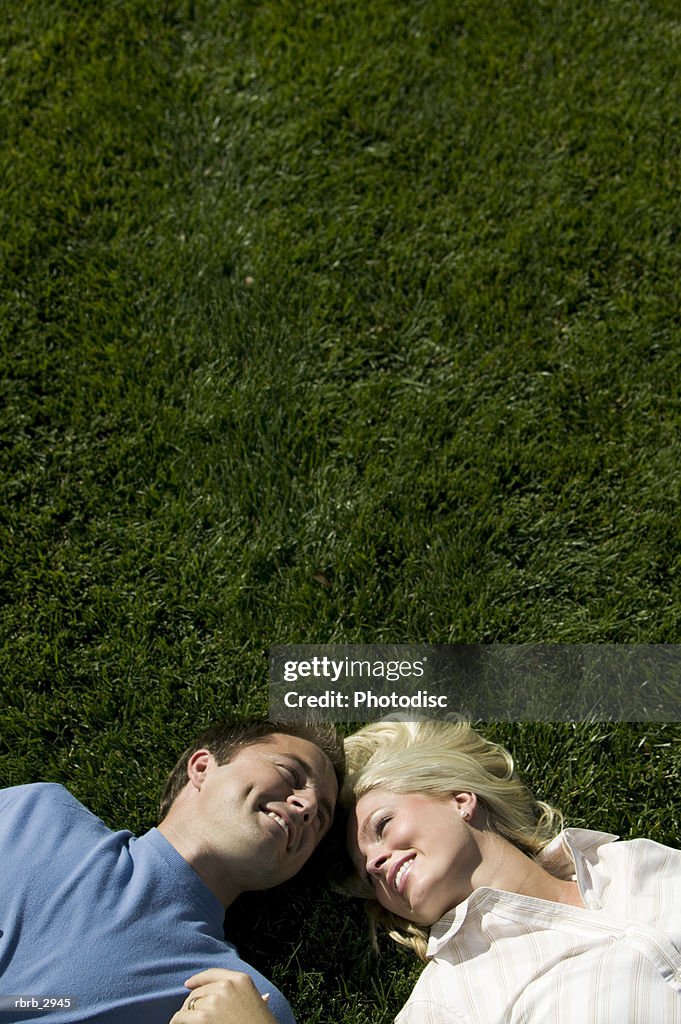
418 851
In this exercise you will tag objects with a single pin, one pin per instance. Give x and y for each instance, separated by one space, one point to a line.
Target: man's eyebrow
311 774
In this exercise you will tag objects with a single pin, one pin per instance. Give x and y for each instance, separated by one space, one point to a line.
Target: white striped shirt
502 958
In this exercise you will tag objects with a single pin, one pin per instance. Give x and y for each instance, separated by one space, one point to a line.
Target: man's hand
221 997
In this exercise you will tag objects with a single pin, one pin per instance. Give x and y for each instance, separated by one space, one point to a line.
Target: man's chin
274 868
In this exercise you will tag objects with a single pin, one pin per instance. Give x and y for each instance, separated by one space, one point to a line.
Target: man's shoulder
34 791
39 796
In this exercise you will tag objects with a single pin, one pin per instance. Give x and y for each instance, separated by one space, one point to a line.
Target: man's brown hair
226 740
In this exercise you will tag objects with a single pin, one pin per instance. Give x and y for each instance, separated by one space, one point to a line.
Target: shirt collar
566 856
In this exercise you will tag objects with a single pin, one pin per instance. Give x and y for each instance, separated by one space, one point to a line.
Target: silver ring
190 1004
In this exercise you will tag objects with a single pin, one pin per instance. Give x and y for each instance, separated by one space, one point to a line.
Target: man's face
264 812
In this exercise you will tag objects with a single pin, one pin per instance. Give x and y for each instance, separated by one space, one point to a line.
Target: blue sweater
113 922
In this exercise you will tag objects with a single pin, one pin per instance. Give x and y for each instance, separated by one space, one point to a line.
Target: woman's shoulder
432 1000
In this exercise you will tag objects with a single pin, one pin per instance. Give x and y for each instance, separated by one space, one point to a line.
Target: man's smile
283 823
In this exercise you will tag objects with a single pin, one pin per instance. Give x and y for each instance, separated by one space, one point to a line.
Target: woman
459 862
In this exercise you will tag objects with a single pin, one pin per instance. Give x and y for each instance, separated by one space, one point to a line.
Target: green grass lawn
333 322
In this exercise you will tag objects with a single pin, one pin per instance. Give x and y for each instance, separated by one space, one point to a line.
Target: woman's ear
466 804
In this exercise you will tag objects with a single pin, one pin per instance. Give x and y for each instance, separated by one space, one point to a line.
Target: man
102 927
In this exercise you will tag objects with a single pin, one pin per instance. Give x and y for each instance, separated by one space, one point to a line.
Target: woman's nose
376 862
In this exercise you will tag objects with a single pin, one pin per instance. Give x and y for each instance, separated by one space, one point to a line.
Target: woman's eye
379 827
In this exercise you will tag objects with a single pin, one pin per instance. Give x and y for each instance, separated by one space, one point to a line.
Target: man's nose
305 801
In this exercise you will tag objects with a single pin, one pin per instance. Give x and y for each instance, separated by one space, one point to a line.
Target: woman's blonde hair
437 759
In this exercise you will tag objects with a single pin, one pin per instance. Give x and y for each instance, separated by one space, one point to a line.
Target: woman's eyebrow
364 828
